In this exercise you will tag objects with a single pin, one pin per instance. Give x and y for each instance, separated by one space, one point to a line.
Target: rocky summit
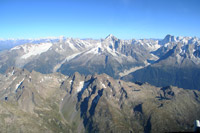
35 102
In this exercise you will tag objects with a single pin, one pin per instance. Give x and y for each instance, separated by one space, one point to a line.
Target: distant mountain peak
168 38
111 36
168 35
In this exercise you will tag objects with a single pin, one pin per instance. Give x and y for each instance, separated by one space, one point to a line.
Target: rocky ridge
31 102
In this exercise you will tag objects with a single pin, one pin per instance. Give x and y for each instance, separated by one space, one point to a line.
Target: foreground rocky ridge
35 102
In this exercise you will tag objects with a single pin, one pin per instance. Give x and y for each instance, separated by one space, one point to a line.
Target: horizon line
66 37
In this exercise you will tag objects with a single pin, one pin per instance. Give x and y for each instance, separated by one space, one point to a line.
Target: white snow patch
198 123
103 85
71 45
71 57
184 40
155 57
155 47
17 85
167 44
15 48
181 50
140 42
70 82
96 50
12 72
31 50
79 88
101 48
133 69
41 80
87 44
82 86
93 51
61 47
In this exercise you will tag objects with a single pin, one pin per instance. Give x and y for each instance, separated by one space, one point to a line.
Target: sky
125 19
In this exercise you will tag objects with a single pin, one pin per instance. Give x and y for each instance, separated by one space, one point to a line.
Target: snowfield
37 49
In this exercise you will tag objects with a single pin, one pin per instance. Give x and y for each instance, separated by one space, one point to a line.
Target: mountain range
106 85
178 64
161 62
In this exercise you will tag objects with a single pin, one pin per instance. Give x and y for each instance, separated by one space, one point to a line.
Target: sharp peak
169 35
110 36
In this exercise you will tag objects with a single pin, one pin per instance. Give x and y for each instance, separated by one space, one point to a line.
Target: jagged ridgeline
110 55
178 64
171 61
35 102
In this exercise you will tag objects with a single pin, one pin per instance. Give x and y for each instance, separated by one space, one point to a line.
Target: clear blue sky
125 19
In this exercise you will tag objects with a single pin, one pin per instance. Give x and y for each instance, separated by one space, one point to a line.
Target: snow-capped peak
110 36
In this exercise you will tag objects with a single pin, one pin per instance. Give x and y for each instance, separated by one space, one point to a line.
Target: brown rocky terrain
35 102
